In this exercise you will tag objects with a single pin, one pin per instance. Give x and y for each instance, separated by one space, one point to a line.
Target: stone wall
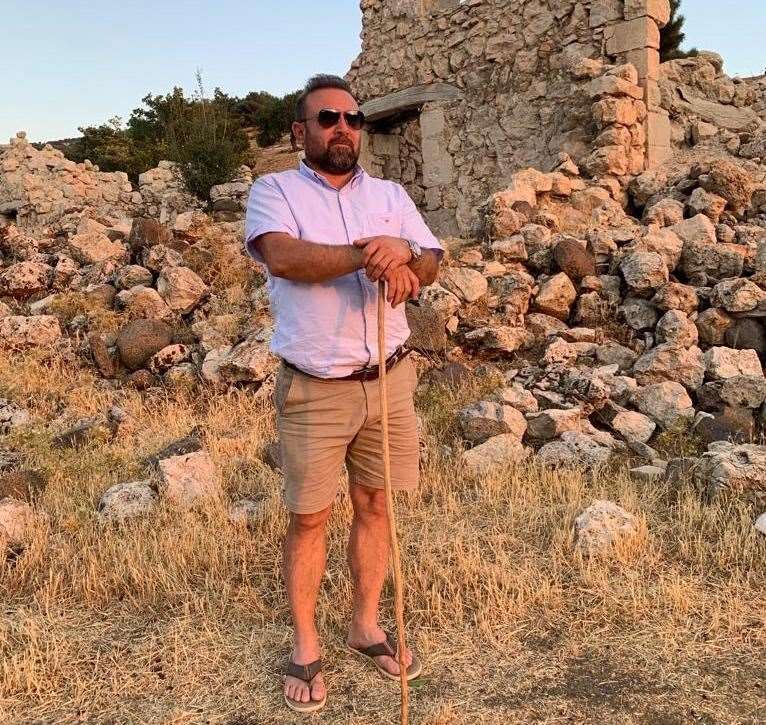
43 187
514 102
707 106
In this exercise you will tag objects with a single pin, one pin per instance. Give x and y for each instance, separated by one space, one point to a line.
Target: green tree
672 35
204 138
112 148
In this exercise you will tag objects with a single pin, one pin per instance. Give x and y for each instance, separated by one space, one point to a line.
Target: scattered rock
602 525
190 479
495 454
125 501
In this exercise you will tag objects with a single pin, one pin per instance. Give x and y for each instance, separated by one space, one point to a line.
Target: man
327 233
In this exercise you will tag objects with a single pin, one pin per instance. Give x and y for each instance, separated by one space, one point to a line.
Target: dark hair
316 83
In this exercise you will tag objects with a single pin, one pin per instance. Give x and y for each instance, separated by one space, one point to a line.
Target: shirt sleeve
414 227
267 211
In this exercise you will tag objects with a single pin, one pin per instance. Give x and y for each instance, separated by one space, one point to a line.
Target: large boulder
140 339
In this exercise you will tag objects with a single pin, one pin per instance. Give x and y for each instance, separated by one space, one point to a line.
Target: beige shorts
323 423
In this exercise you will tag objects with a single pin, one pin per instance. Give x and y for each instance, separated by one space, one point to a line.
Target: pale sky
78 63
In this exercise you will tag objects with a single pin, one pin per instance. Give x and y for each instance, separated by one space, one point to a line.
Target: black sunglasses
329 117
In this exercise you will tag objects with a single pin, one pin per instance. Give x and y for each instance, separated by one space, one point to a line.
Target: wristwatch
415 250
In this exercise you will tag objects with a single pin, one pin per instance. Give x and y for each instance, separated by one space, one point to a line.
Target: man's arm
426 268
302 261
382 255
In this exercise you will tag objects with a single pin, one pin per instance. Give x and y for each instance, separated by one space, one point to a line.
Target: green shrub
205 140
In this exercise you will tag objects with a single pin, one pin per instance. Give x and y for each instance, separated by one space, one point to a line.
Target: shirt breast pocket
387 224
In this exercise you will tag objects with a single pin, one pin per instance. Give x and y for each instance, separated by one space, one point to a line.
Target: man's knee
368 502
306 524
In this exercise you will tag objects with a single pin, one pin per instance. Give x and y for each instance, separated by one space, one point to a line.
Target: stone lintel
409 99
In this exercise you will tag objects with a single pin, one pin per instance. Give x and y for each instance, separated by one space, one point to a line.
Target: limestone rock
602 525
669 362
181 289
248 362
549 424
495 454
737 295
667 403
695 230
676 296
486 419
574 449
644 270
125 501
612 353
138 340
189 479
19 332
746 391
556 296
144 302
517 397
24 279
93 247
676 328
501 339
724 362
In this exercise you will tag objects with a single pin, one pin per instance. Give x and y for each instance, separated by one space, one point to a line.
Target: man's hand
382 255
403 284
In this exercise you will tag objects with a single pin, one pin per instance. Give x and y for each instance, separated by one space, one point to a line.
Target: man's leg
305 556
368 552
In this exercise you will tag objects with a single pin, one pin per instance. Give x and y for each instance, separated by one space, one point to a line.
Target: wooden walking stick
395 560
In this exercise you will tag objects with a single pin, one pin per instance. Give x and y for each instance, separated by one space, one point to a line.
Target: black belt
368 373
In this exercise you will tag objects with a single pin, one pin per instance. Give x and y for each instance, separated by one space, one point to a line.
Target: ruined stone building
461 94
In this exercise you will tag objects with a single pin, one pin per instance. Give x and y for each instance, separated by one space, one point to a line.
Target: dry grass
182 619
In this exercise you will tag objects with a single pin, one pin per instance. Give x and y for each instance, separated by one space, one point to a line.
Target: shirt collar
305 170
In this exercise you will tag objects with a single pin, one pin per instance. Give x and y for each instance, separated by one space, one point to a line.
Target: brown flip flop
307 673
388 648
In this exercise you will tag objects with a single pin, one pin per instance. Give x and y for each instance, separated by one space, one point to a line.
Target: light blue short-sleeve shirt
329 329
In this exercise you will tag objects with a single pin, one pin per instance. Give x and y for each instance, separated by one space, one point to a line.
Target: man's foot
304 688
382 650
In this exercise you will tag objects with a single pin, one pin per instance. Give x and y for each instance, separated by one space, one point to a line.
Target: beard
339 157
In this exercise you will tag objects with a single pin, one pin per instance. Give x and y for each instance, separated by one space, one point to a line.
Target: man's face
336 149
